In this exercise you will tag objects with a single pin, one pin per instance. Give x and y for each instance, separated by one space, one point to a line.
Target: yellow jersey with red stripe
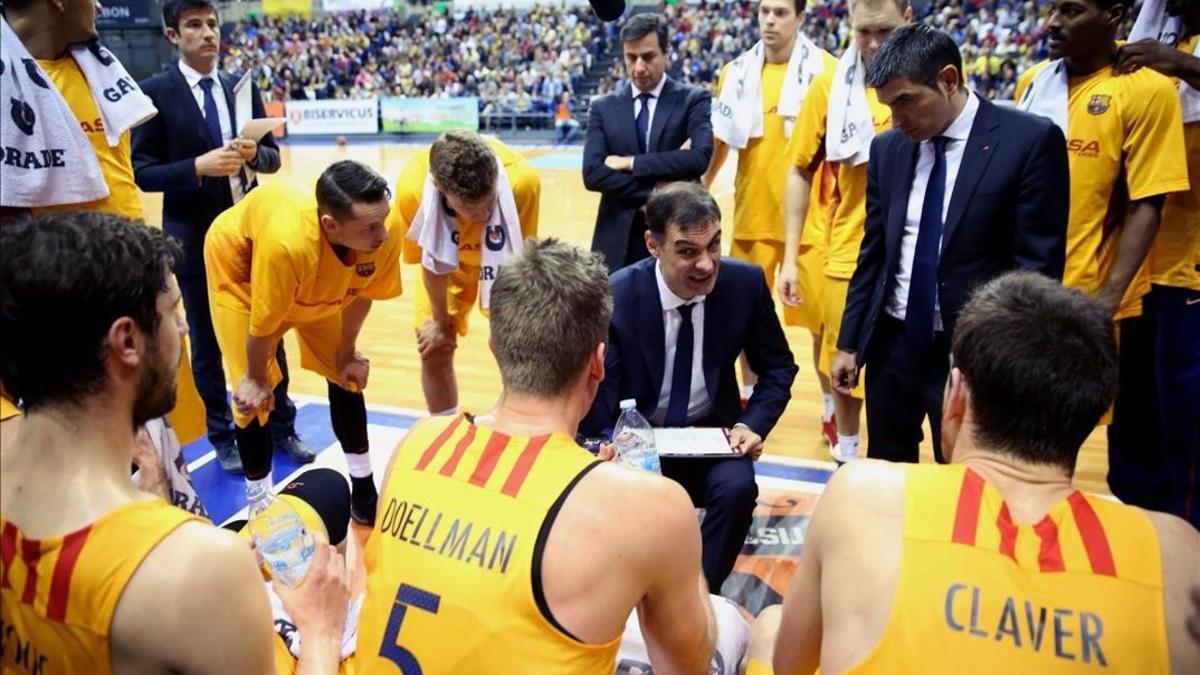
1079 591
1124 144
847 209
59 594
267 257
410 186
763 166
116 163
454 562
1175 258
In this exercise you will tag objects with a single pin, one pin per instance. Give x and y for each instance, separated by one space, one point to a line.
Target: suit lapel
187 101
714 311
625 120
898 210
650 326
227 83
662 110
981 146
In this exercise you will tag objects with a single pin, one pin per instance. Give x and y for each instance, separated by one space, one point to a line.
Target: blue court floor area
223 494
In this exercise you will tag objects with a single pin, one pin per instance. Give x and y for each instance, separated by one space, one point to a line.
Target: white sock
847 448
360 464
827 415
448 412
256 486
747 391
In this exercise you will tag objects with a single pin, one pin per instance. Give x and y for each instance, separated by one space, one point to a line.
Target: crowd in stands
514 61
522 61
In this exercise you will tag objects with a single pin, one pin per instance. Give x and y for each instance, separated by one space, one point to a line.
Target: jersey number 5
406 596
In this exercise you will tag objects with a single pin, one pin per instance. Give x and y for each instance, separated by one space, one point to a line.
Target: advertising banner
429 115
332 117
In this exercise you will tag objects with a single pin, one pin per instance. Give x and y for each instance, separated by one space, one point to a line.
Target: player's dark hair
1040 361
686 205
641 25
916 52
347 183
173 9
64 279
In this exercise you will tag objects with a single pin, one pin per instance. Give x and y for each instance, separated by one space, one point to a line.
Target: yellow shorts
319 345
810 315
768 255
835 307
188 418
765 253
462 292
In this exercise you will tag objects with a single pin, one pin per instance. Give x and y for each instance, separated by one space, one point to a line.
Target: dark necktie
211 118
643 122
922 288
681 372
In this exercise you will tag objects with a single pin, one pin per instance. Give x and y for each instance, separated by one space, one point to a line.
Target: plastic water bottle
634 440
280 536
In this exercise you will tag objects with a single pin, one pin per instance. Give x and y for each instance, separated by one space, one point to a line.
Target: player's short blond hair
550 308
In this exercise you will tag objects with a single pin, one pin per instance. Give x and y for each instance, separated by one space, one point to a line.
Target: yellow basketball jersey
1080 591
59 595
454 562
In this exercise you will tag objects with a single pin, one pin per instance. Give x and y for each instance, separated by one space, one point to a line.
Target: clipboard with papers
243 110
693 442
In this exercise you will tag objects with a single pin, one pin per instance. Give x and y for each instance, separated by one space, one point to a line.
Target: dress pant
725 488
637 241
903 388
210 374
1139 457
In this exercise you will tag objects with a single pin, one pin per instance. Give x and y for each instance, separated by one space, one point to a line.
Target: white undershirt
957 132
698 403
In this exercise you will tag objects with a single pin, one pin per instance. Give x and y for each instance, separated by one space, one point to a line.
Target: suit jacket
682 113
164 150
1008 211
739 315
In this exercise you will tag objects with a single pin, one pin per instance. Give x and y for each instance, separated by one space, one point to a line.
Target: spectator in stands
566 127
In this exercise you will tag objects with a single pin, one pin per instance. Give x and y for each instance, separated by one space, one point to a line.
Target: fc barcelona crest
1099 104
365 269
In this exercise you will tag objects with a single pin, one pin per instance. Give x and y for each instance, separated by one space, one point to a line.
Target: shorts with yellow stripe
462 291
835 306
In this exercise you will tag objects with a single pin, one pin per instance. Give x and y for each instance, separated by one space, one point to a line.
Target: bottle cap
629 404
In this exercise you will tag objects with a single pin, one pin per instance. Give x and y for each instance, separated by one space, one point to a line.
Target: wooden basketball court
567 212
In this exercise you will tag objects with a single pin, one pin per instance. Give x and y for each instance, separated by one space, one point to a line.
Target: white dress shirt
655 94
193 78
698 403
958 132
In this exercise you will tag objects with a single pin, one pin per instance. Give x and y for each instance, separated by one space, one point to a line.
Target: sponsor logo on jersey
1083 148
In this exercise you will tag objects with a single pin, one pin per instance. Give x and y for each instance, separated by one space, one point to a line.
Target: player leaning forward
291 257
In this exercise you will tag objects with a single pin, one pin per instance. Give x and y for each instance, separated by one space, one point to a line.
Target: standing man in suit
650 132
673 344
958 192
190 152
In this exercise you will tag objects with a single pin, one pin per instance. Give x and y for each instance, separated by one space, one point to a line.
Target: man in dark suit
649 132
958 192
676 332
191 152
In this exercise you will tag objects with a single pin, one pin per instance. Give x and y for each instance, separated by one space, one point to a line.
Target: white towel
738 115
1047 94
47 158
122 103
849 127
434 230
1153 23
1189 96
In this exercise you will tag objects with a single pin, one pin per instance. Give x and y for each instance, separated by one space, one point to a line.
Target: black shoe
229 459
297 449
363 499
